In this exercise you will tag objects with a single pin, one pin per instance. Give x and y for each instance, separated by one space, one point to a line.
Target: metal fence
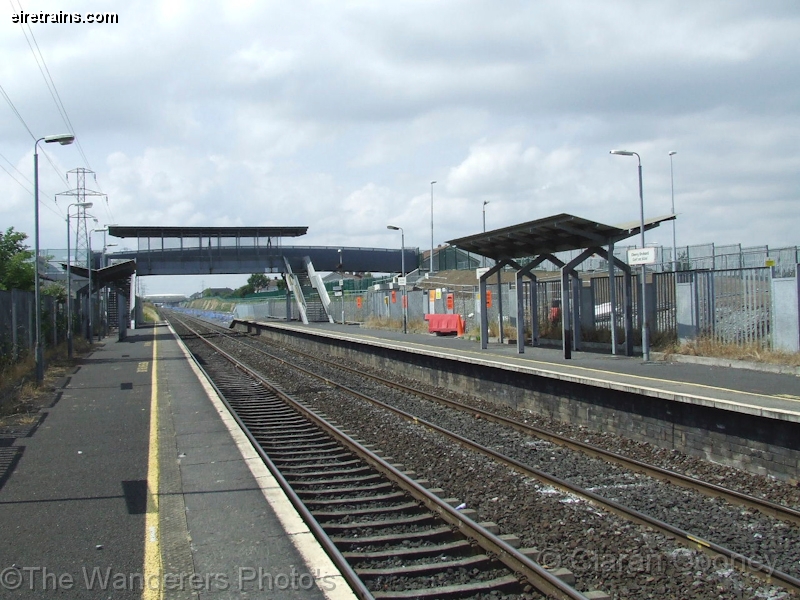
731 306
701 257
18 325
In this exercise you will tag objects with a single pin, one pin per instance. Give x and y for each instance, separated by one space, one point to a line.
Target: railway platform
768 394
137 483
740 418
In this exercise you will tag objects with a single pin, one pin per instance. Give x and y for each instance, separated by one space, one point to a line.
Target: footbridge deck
243 250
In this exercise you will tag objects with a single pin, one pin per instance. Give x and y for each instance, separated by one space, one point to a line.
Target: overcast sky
338 115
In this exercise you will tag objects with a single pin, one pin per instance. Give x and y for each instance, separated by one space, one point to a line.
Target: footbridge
247 250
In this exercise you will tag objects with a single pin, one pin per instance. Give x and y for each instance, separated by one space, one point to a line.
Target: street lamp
403 271
485 202
63 139
341 280
105 288
84 206
101 305
643 307
430 266
674 243
89 261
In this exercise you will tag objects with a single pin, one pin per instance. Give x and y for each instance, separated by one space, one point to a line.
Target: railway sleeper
443 531
306 480
415 519
355 499
461 547
347 490
434 566
452 591
339 514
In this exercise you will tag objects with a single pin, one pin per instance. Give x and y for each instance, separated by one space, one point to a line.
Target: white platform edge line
326 575
682 397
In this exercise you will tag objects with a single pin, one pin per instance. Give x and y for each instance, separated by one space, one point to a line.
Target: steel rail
707 488
349 575
526 570
749 564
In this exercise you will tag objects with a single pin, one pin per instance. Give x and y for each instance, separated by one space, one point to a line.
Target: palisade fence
710 257
730 306
18 325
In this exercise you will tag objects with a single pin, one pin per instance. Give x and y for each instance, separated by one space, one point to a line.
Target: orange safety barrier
445 324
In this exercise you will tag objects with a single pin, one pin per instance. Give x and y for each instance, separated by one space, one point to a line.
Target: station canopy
107 275
557 233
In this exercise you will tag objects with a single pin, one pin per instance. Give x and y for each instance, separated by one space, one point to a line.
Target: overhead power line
51 85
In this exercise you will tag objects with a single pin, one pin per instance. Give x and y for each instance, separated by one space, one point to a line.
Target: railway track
759 567
390 536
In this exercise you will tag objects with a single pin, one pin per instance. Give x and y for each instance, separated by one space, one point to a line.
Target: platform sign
337 294
481 272
770 262
401 281
642 256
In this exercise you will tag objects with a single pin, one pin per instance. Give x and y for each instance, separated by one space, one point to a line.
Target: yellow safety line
152 547
527 361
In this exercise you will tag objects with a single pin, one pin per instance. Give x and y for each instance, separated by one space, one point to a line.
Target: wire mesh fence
18 323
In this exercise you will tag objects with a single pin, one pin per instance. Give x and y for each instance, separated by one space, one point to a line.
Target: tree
55 289
258 282
16 269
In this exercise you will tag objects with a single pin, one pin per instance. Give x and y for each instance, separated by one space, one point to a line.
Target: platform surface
102 500
760 393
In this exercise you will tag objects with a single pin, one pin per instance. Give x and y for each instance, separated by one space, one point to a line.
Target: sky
338 115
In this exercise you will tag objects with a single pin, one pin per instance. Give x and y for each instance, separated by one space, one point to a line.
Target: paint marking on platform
143 366
152 548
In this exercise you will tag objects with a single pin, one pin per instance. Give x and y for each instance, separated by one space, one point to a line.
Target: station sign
642 256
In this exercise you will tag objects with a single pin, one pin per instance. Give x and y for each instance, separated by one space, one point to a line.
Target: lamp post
105 288
643 307
63 139
89 261
430 266
672 186
403 271
341 280
485 202
84 206
100 304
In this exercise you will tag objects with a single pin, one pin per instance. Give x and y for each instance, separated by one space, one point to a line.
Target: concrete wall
752 443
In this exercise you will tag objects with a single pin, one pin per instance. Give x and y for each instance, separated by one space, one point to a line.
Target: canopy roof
557 233
105 275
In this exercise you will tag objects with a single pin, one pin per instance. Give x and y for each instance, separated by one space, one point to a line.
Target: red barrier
440 324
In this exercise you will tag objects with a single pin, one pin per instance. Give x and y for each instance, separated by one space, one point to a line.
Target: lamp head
432 182
84 204
485 202
393 228
622 152
672 153
64 139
